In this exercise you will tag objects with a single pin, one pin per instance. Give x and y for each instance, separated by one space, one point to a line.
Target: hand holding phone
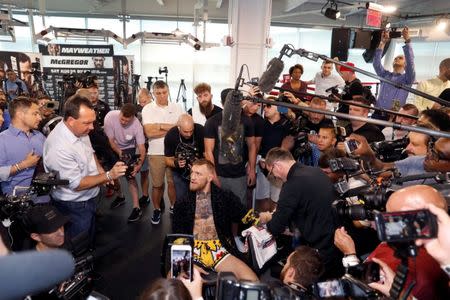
181 261
350 146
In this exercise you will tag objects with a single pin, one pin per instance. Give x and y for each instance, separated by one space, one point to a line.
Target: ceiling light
332 11
389 9
441 24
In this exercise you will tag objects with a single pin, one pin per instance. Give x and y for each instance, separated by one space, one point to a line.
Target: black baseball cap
44 219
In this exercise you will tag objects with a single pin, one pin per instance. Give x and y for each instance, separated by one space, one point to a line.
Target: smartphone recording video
181 262
406 226
350 146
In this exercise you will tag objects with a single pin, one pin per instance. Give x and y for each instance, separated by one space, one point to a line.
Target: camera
394 34
406 226
350 146
181 261
344 287
389 151
188 153
130 161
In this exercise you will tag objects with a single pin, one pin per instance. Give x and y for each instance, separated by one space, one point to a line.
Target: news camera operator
48 110
431 281
183 144
69 151
21 145
305 200
125 134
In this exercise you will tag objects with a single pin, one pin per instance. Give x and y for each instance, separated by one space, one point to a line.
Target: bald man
182 145
431 280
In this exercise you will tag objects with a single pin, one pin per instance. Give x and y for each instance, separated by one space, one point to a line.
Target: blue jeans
82 218
181 186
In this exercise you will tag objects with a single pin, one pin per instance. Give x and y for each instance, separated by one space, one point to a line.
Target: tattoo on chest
204 228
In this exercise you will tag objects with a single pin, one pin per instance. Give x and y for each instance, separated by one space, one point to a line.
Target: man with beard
183 144
391 97
208 213
26 71
205 108
20 141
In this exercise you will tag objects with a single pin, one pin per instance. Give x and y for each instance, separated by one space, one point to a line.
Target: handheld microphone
31 272
231 118
270 77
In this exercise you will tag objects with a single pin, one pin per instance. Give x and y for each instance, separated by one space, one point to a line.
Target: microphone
270 77
231 118
31 272
330 89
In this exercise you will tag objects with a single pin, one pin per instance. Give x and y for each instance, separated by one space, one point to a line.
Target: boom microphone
230 136
31 272
270 77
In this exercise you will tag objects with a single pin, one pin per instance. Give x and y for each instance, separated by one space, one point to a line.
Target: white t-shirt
324 83
153 114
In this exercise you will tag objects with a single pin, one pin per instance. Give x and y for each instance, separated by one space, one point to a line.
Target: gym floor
132 258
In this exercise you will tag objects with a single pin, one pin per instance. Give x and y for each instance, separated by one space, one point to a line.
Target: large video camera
16 205
389 151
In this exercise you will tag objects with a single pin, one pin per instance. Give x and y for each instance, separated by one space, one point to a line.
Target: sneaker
171 210
144 201
156 216
135 215
119 201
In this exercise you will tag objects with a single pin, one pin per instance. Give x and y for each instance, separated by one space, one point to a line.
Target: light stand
150 81
182 92
163 70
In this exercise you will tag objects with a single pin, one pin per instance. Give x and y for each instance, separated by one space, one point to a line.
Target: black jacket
227 209
305 200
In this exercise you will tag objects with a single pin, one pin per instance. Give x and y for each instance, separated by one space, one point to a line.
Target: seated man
208 212
431 281
46 227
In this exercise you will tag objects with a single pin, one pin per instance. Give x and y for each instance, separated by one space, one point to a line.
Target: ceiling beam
293 4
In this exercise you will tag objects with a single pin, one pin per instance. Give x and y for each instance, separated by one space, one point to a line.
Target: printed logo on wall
63 65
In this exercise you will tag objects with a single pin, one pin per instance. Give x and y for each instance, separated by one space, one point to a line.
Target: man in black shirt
371 132
204 109
232 176
306 201
275 130
183 144
315 120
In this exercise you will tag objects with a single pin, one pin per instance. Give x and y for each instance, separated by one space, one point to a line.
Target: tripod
150 81
182 92
135 86
165 71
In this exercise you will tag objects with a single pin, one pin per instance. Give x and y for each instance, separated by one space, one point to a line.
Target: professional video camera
85 79
14 206
299 130
187 152
389 151
130 161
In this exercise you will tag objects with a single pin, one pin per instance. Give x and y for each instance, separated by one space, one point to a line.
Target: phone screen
406 225
332 288
351 145
181 261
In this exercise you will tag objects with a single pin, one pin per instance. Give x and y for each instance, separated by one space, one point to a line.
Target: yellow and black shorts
209 253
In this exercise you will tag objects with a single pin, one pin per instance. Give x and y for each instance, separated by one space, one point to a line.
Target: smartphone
331 288
350 146
181 261
367 272
406 226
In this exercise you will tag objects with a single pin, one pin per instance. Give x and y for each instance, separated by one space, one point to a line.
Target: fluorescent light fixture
441 24
389 9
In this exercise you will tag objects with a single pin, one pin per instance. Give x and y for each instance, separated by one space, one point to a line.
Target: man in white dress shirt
68 150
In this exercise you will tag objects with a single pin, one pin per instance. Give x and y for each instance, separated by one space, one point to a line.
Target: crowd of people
281 158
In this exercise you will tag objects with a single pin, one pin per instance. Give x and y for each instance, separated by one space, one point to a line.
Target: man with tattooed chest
207 212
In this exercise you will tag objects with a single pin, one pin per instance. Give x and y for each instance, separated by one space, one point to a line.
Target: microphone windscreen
231 113
270 77
31 272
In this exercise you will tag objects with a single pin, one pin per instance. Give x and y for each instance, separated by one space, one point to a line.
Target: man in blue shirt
14 87
21 144
391 97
